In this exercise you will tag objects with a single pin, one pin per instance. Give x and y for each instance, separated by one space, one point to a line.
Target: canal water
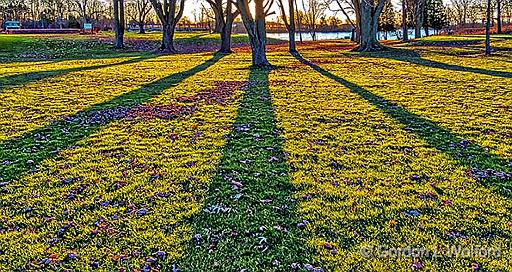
340 35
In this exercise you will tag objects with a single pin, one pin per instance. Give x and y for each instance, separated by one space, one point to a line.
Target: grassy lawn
135 161
25 48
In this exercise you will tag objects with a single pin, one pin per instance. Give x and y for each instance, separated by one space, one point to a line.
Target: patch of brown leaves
220 94
165 112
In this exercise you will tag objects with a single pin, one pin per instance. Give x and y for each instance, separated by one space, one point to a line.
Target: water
340 35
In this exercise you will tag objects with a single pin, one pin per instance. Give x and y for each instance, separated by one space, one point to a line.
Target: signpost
88 28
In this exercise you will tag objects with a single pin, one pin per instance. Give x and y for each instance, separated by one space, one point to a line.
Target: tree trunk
369 25
141 28
256 30
225 36
121 18
291 31
298 21
427 31
168 18
418 18
368 40
488 29
417 31
405 35
357 6
219 22
118 23
259 42
498 16
168 39
218 12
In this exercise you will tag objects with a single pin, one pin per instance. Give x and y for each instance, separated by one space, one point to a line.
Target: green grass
139 161
249 217
18 48
45 47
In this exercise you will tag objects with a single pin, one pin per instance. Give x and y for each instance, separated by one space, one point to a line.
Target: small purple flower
414 177
95 265
302 224
46 261
273 159
142 212
190 164
160 254
309 267
71 256
417 266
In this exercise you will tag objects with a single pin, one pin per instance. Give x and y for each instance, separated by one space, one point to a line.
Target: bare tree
507 11
419 11
460 9
290 24
255 26
82 8
138 11
405 31
488 29
498 17
97 10
169 12
387 20
118 6
299 19
206 16
342 7
313 10
369 12
224 17
219 16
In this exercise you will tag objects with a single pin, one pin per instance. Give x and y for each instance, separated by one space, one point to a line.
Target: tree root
369 48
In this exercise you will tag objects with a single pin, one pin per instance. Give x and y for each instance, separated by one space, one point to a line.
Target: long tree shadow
18 80
492 170
414 57
24 153
248 221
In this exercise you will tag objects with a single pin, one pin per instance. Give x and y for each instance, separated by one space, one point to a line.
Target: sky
191 5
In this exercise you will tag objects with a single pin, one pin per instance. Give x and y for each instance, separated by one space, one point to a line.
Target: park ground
135 161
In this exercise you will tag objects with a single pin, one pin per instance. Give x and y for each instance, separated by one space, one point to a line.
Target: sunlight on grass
140 161
107 201
364 180
38 103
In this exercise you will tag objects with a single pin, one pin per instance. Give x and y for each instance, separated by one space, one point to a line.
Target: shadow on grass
447 43
19 155
493 170
248 220
25 78
414 57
